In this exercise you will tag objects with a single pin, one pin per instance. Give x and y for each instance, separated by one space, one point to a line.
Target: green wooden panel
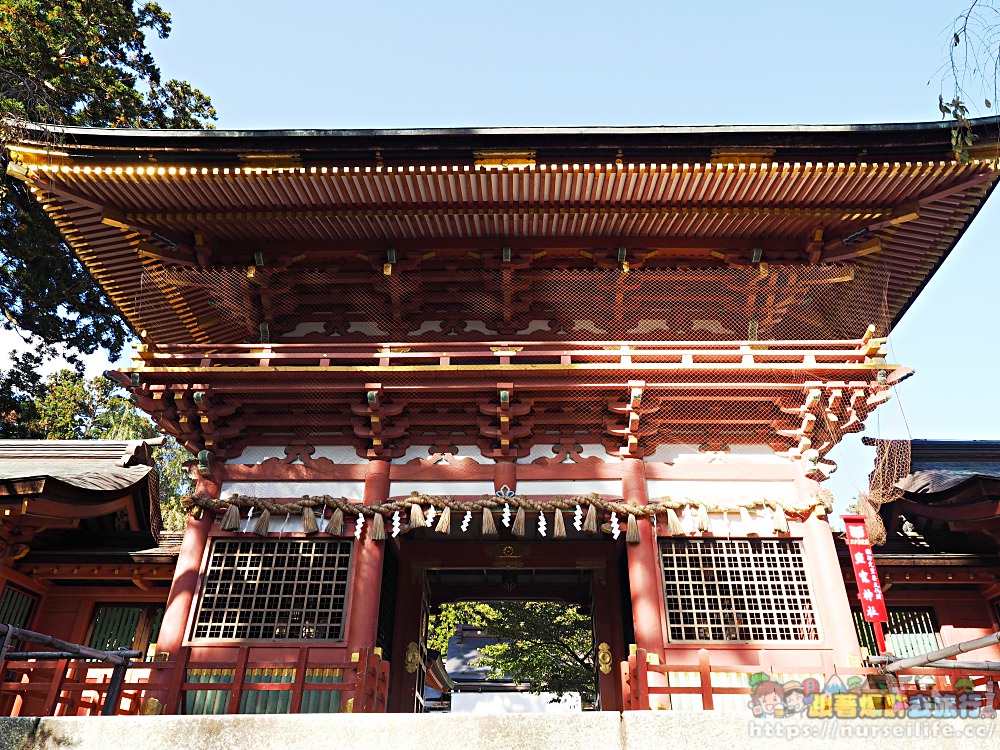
322 701
267 701
115 627
16 607
208 702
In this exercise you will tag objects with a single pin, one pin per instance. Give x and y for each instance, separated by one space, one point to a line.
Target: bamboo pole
944 653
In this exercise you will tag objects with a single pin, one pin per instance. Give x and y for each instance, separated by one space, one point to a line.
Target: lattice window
737 590
275 589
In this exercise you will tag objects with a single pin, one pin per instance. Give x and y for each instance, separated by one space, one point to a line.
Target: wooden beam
853 251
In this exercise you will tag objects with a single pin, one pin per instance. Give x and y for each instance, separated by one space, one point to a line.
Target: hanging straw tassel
780 521
632 531
590 523
704 522
336 525
231 519
377 532
309 525
489 525
747 523
518 528
674 527
263 523
558 526
444 522
417 517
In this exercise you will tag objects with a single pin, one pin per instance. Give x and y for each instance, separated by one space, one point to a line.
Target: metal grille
284 589
913 631
737 590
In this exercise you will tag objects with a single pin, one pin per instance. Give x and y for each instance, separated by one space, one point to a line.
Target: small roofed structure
940 561
55 493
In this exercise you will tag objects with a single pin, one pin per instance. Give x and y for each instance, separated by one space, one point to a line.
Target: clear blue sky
382 64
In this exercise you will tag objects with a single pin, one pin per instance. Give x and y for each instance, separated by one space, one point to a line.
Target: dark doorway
432 573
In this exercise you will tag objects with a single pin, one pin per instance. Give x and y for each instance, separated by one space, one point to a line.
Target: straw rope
495 502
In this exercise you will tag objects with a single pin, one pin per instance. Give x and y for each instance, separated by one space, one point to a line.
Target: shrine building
598 365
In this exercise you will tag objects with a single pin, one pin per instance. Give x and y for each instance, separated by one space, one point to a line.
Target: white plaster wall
354 490
570 487
689 452
255 454
424 451
476 488
719 490
515 703
339 454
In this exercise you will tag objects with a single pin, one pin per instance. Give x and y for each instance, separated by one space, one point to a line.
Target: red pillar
608 629
366 586
409 629
828 588
505 473
646 586
184 587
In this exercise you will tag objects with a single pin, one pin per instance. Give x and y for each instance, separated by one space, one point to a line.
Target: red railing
641 693
320 681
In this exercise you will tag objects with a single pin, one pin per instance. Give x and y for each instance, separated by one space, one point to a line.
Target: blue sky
386 64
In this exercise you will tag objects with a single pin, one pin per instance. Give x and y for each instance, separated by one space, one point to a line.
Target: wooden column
184 587
648 611
505 473
829 591
366 583
607 613
409 629
645 583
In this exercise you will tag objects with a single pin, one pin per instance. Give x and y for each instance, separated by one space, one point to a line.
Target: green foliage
175 482
972 69
546 644
74 62
19 387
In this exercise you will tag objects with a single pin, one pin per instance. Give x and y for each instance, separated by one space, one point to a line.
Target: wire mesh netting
716 304
576 338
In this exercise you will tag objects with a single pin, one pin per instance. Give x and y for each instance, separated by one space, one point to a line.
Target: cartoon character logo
767 698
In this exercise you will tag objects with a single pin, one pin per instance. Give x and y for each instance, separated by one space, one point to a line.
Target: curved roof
887 200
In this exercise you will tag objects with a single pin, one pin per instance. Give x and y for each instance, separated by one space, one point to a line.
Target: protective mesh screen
433 324
684 304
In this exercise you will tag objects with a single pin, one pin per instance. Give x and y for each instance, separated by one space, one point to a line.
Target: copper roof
132 203
96 466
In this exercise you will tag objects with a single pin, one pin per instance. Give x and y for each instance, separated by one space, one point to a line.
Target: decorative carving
567 453
412 659
604 660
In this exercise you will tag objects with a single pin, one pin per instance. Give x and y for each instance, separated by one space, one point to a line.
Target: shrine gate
602 365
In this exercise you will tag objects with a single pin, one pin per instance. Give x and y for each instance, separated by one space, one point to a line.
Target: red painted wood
238 679
300 680
648 613
366 580
409 592
505 473
184 588
608 629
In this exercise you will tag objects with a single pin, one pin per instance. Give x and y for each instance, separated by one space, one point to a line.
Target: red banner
865 574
